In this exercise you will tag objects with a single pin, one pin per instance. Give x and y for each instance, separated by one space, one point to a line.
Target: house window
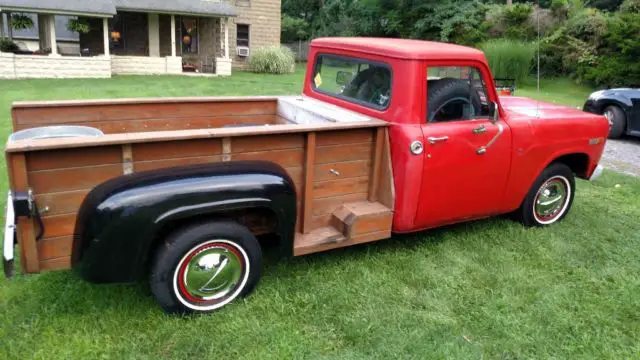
189 35
242 35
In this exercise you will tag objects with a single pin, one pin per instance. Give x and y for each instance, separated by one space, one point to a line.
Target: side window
456 93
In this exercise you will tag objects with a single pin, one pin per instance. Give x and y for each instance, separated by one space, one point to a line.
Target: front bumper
596 173
9 238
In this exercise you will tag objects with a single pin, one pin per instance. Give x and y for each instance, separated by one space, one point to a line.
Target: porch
158 39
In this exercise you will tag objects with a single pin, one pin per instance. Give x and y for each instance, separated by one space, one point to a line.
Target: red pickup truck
389 136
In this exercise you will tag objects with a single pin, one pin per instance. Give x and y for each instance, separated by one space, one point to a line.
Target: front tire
203 267
550 198
617 121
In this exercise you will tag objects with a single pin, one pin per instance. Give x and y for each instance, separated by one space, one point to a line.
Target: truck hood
519 107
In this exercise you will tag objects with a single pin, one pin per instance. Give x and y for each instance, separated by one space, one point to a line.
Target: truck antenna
538 61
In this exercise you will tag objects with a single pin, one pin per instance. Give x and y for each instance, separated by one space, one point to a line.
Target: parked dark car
620 106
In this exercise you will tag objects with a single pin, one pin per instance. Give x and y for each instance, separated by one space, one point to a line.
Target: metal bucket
48 132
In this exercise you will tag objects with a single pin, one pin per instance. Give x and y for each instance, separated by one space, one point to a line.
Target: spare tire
452 99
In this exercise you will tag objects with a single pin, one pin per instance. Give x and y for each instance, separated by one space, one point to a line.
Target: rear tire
205 266
617 121
550 198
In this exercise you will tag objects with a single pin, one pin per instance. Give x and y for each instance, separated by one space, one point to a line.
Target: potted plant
81 26
21 22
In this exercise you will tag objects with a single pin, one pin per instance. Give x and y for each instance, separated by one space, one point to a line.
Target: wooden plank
328 205
159 164
61 202
25 227
297 175
302 247
178 135
386 189
268 142
309 160
59 225
138 111
75 157
285 158
179 149
204 122
60 263
338 153
145 100
51 248
342 170
50 181
377 158
345 137
340 187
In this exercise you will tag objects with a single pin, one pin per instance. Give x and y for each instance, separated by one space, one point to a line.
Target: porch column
52 35
173 35
226 38
154 35
9 26
105 35
1 25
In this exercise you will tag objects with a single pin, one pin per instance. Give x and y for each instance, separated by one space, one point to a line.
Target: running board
351 224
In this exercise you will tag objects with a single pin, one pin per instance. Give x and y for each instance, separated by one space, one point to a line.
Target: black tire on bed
442 91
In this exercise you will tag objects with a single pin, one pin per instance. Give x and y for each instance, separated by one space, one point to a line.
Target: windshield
357 80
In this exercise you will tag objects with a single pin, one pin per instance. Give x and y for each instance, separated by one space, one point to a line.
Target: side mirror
343 77
494 113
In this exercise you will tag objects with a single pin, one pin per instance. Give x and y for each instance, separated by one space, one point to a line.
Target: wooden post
25 227
307 197
375 169
226 149
9 27
105 35
173 35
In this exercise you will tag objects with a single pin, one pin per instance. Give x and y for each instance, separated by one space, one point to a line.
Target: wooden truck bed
341 169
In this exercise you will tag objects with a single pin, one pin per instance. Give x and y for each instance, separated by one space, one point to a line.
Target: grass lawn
487 289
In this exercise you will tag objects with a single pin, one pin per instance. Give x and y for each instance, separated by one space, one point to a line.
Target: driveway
622 155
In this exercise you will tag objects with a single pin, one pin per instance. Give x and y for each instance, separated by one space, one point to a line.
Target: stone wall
263 18
39 66
144 65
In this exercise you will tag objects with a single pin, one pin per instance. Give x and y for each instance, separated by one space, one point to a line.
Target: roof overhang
7 9
176 12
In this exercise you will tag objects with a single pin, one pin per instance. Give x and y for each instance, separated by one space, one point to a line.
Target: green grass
486 289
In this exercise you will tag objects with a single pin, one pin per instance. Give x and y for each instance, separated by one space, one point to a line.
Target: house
139 36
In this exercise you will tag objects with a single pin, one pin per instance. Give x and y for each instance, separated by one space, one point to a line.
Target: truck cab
459 151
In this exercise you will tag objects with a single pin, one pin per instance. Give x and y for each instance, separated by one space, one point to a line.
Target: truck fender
121 219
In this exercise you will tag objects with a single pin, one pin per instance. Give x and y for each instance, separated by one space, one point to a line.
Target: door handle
432 140
483 149
479 130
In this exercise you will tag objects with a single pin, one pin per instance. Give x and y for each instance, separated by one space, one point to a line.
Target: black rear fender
120 219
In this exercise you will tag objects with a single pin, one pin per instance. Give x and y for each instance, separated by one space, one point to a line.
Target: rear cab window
356 80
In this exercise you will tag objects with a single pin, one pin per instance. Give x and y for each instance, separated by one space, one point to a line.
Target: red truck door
466 156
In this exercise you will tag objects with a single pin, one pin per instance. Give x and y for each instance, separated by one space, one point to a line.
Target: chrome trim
9 237
334 172
432 139
479 130
596 173
416 147
483 149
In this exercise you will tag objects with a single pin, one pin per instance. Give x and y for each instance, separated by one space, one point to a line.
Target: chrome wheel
609 115
211 275
551 200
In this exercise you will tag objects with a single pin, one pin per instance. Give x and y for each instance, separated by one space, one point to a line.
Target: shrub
7 45
630 6
617 61
510 21
272 60
509 58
